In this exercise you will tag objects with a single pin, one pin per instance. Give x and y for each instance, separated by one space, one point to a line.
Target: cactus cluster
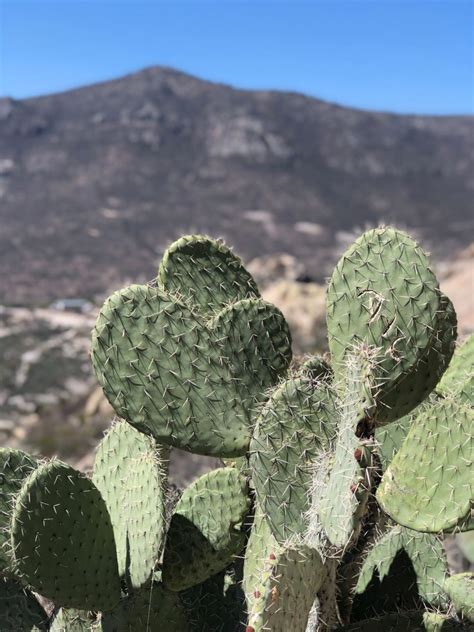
339 476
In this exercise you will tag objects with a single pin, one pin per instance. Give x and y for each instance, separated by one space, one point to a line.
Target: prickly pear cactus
460 588
71 620
205 274
188 377
129 472
458 380
426 554
62 539
150 609
408 622
15 467
19 609
384 294
295 427
289 535
207 529
429 484
280 582
342 503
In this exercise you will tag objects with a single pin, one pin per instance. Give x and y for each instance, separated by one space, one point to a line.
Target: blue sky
403 56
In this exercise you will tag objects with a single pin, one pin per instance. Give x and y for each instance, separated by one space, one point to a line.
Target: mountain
96 181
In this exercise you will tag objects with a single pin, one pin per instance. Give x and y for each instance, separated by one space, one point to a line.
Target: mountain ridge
95 181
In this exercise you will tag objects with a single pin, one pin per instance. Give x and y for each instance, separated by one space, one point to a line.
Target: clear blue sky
404 56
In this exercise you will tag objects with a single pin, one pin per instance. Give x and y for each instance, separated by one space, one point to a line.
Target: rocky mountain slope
95 182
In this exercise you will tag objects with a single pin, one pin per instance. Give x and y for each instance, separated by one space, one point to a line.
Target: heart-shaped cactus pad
190 381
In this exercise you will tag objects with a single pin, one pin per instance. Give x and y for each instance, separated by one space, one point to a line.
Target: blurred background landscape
96 181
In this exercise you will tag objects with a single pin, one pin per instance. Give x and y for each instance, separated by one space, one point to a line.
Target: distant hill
96 181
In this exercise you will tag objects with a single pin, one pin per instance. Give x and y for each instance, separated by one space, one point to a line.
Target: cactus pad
280 583
426 554
71 620
383 293
417 384
345 494
206 533
19 610
15 467
390 438
205 274
294 428
62 539
408 622
150 609
130 476
316 368
429 485
459 377
188 382
460 588
216 605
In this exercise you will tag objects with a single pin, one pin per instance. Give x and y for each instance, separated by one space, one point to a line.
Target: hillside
96 181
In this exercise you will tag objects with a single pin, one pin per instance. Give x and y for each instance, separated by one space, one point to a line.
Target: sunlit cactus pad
429 484
63 541
384 294
280 582
130 475
460 588
190 383
205 273
295 427
458 380
206 530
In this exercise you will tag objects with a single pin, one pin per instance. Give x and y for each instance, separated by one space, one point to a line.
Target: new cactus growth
293 533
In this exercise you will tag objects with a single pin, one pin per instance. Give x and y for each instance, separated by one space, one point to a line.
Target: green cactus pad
418 383
408 622
426 554
458 379
390 438
71 620
340 502
295 427
189 383
62 539
15 467
343 505
383 294
240 463
151 609
216 605
130 476
460 588
280 583
316 368
19 610
205 274
429 485
206 533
